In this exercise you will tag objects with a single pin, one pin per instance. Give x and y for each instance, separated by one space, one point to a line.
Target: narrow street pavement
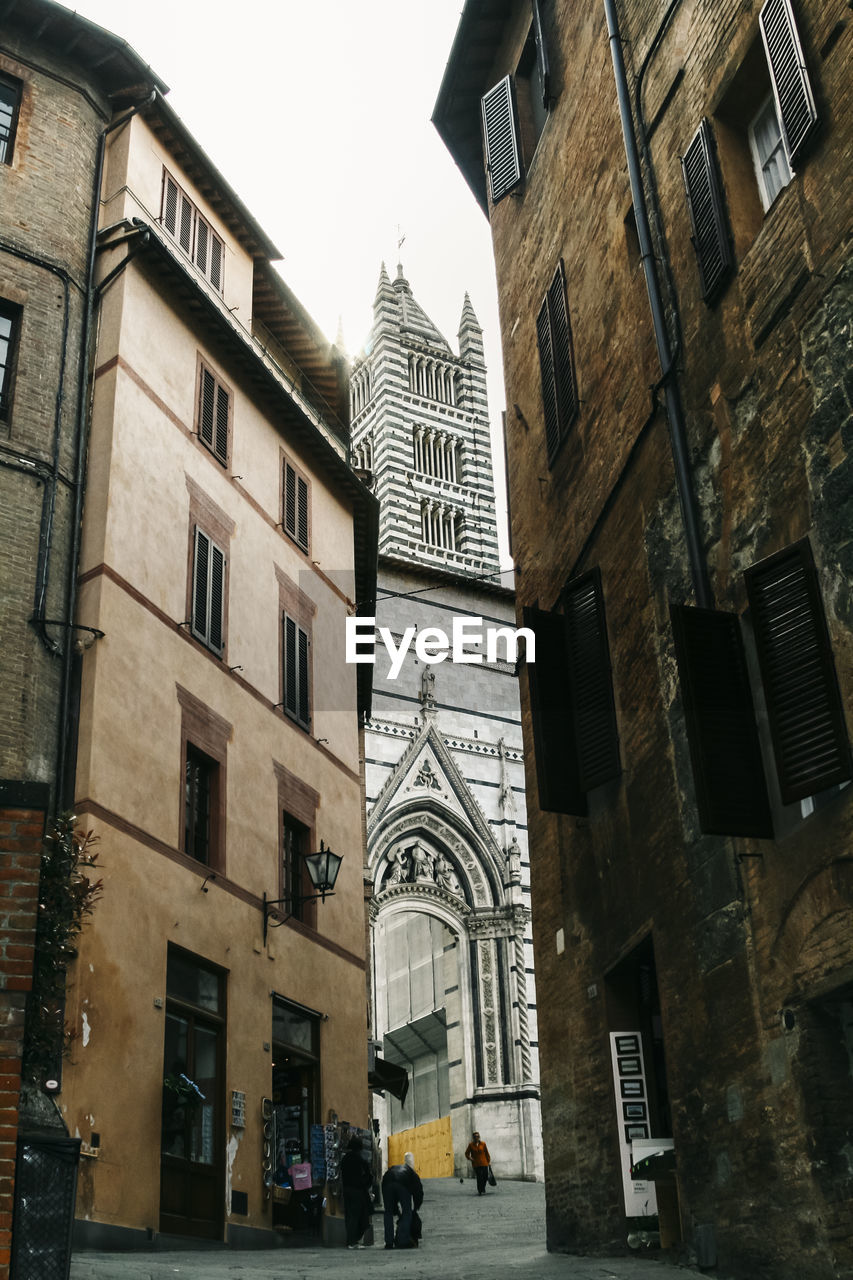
465 1238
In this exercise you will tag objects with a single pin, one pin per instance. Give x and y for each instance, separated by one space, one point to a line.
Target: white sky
318 115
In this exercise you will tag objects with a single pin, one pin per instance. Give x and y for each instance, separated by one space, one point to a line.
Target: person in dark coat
403 1193
357 1179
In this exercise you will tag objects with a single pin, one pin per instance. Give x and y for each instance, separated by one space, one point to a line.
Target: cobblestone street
465 1238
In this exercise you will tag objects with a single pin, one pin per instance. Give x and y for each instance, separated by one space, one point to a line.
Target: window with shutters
296 674
209 567
297 618
10 327
298 803
576 741
295 504
204 757
792 91
556 363
502 139
805 713
725 751
514 113
772 169
10 101
762 128
710 233
213 413
192 232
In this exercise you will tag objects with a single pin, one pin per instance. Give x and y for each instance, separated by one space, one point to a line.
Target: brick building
676 338
55 110
454 1001
218 1009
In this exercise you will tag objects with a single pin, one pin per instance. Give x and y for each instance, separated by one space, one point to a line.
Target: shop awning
388 1076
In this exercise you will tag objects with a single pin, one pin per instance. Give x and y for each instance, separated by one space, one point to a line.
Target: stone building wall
735 951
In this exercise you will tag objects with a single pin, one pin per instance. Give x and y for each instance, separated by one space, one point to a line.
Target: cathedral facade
448 870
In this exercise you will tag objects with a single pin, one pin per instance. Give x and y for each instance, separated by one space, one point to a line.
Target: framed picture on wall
634 1110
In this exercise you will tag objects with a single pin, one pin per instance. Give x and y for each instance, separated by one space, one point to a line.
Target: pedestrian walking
357 1179
478 1153
403 1194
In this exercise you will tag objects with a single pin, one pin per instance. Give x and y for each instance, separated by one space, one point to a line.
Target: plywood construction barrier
431 1145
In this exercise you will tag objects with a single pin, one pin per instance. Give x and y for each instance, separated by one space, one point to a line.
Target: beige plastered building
225 541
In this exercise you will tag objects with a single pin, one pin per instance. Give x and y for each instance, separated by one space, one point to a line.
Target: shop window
295 1094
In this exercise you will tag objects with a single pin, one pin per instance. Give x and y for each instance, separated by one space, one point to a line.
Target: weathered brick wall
741 930
44 233
21 834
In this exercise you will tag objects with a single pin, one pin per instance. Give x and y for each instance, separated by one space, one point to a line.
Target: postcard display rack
632 1117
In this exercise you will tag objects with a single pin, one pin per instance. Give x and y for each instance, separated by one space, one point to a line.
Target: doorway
192 1130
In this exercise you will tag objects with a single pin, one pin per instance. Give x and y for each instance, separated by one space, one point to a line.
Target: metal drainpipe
674 408
82 443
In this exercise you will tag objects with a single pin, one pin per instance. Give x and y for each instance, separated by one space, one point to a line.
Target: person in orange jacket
478 1153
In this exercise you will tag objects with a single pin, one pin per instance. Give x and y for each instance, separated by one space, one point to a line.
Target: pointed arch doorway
418 956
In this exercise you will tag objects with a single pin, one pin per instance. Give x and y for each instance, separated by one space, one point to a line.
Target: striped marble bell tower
420 425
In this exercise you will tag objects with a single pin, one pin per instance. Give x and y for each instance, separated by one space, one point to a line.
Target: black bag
492 1181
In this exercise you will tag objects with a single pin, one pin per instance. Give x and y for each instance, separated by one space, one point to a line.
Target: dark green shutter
556 362
707 212
804 705
217 598
795 103
500 130
594 712
201 563
220 446
542 55
551 712
731 791
207 407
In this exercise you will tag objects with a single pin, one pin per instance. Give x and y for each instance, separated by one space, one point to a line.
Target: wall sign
632 1116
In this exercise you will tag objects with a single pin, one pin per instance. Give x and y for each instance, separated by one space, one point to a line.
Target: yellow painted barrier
431 1145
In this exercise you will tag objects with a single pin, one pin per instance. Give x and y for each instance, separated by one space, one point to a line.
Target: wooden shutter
207 621
804 705
500 129
707 212
551 711
549 386
296 499
792 91
170 204
596 734
731 790
217 598
202 245
542 55
556 362
296 672
213 413
217 256
185 222
564 356
207 407
201 573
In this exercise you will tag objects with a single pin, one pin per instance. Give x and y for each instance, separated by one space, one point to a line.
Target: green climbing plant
67 894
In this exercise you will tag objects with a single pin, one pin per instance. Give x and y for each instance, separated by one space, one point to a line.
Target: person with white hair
403 1194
